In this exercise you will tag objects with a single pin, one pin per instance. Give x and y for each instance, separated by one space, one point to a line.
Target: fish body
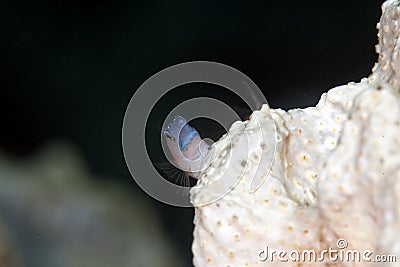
185 146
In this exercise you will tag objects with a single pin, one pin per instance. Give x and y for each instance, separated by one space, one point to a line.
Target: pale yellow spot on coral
237 237
276 191
235 218
232 254
385 64
312 175
283 204
385 29
336 208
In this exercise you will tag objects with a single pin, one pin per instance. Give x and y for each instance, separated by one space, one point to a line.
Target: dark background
71 67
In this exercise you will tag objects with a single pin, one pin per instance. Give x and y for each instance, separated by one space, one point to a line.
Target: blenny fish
186 146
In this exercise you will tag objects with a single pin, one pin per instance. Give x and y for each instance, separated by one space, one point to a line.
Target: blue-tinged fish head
180 132
185 145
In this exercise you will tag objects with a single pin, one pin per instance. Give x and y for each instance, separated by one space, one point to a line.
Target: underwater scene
198 133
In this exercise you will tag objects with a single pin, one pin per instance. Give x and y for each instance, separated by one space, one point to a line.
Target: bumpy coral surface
334 182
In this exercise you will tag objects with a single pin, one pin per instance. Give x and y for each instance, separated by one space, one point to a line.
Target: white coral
335 174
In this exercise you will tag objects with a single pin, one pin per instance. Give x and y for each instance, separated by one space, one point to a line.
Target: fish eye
166 133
